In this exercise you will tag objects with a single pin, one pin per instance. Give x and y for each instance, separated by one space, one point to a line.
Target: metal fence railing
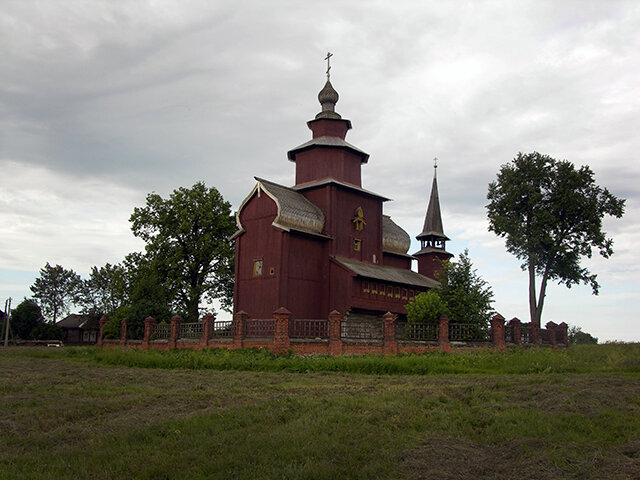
309 328
468 332
508 333
162 331
262 328
222 329
416 331
525 334
191 330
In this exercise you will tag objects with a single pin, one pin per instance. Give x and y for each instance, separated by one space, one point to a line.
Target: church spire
432 232
432 239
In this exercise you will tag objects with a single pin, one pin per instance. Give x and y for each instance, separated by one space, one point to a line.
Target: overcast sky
102 102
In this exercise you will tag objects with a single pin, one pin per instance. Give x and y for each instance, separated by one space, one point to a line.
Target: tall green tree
147 292
188 243
25 318
467 295
56 289
105 290
550 214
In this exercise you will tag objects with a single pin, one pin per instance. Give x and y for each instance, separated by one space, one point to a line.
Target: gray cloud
126 98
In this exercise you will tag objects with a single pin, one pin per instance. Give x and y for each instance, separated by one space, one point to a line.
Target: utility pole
7 314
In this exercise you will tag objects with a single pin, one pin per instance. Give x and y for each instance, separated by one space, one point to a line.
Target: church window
374 288
389 291
381 289
404 293
365 287
357 244
272 271
397 292
411 295
257 267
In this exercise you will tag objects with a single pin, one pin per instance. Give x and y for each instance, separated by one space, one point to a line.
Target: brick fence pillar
534 333
176 321
208 322
563 327
335 338
123 331
497 331
443 334
281 340
516 330
239 325
551 328
390 344
149 325
103 320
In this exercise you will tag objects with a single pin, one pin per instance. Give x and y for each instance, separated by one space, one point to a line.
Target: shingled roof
394 238
332 142
87 322
433 220
295 212
387 274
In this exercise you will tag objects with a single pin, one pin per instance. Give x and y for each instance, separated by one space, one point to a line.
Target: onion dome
328 97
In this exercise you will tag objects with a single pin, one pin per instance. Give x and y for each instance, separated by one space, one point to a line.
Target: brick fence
337 335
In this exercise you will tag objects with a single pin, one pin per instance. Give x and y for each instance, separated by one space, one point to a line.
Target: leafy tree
551 216
426 307
56 289
577 337
111 329
187 237
148 297
47 331
28 323
25 317
105 290
468 297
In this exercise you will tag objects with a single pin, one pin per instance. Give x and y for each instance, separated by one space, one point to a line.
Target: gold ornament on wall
358 220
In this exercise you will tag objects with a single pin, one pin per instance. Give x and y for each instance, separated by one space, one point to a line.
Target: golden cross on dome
328 59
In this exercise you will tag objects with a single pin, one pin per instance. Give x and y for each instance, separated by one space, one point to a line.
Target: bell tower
432 239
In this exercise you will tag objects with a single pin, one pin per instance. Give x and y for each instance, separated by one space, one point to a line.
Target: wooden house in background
80 328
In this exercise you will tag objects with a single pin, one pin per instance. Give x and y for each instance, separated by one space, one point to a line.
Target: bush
578 337
426 308
111 329
47 331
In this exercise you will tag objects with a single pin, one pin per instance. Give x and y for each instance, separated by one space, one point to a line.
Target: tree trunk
534 313
192 310
536 304
543 290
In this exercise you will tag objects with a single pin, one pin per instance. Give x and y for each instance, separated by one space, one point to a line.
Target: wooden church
325 244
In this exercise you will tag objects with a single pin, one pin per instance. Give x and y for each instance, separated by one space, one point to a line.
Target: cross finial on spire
435 166
328 59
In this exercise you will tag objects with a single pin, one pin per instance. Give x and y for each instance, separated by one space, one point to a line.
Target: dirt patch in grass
534 459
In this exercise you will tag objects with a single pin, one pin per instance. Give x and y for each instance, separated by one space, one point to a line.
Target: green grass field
525 414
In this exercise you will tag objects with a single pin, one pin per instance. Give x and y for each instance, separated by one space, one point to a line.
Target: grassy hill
543 414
